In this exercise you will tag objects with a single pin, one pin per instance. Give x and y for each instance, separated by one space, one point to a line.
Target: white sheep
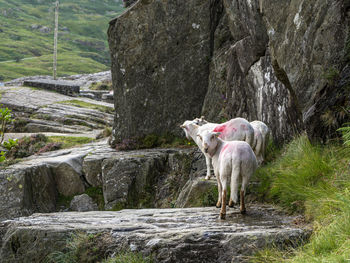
236 129
261 138
229 158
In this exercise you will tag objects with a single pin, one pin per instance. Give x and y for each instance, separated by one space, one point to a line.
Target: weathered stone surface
83 203
159 87
68 173
198 192
282 62
42 111
143 178
170 235
26 190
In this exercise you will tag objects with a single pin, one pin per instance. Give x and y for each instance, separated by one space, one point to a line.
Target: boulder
160 64
83 203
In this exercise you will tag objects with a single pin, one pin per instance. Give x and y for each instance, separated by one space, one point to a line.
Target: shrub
27 146
5 118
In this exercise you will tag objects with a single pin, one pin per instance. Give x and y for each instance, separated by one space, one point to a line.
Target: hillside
26 33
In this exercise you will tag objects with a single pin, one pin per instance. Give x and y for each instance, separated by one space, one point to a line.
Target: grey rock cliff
281 62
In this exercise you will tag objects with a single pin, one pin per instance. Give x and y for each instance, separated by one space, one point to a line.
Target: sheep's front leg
207 161
218 204
224 194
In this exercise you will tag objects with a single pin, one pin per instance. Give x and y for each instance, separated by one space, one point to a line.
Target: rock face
160 86
281 62
169 235
135 179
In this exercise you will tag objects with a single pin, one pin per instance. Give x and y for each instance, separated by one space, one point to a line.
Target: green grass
89 248
69 63
68 141
129 257
83 104
82 39
313 180
96 194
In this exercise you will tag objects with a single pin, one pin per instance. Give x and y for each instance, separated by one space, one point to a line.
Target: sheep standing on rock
229 158
237 129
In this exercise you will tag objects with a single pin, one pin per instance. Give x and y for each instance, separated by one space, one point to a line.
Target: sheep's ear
202 118
182 126
216 134
200 137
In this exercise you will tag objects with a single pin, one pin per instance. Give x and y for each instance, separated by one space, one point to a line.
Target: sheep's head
209 141
200 121
189 127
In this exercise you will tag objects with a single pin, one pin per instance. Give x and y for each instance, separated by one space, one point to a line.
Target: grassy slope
82 41
313 180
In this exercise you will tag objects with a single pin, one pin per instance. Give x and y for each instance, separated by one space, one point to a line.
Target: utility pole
55 43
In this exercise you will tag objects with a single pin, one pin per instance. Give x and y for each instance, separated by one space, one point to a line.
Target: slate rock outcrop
168 235
282 62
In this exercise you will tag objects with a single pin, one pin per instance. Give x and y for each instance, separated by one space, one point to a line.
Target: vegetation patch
91 248
70 141
107 131
34 144
63 202
83 247
96 193
102 85
39 143
83 104
313 180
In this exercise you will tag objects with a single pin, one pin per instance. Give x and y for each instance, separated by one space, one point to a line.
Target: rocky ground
151 178
170 235
43 111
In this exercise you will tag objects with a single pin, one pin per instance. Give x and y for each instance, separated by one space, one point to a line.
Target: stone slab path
170 235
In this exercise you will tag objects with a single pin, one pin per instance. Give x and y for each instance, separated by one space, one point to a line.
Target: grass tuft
314 180
83 104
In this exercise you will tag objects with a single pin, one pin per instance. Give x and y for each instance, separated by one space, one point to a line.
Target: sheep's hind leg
243 190
234 187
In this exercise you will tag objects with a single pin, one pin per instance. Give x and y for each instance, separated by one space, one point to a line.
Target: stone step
169 235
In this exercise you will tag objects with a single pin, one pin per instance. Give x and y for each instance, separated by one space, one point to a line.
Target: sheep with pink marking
229 158
260 139
236 129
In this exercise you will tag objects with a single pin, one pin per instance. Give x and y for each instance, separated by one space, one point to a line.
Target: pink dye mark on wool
225 147
220 128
